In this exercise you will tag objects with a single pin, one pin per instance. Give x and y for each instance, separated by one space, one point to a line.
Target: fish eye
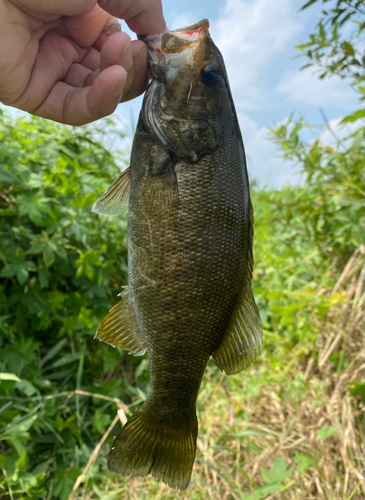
209 75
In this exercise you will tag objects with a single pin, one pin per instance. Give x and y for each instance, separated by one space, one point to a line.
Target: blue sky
257 39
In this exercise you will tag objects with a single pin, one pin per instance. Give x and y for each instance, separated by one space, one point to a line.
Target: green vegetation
289 427
336 47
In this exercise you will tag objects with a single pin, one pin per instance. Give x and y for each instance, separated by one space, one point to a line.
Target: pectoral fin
118 328
116 197
243 338
162 193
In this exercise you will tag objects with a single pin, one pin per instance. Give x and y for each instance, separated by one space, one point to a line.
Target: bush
61 269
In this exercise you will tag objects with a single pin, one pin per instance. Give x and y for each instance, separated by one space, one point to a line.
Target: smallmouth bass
190 236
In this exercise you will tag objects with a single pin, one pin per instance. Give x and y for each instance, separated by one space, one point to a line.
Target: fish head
188 106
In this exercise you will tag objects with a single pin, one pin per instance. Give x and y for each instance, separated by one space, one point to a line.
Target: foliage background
289 427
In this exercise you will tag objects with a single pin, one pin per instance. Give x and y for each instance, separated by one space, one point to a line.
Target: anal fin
116 197
118 328
243 338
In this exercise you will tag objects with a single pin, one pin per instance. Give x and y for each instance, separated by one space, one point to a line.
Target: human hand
66 61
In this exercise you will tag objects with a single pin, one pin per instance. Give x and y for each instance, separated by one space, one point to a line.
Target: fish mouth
177 47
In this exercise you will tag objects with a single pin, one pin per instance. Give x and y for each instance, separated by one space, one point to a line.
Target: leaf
15 441
357 115
304 462
9 271
23 269
22 275
7 176
308 4
357 389
9 376
54 351
48 256
26 387
280 470
325 432
345 18
66 359
34 207
19 426
264 491
37 247
266 475
64 482
22 461
61 252
348 48
43 278
322 31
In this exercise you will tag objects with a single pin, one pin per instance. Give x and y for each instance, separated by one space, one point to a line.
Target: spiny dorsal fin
118 328
116 197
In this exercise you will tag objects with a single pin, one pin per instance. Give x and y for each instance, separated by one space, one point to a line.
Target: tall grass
289 427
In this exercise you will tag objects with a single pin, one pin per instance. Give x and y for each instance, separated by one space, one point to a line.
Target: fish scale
190 235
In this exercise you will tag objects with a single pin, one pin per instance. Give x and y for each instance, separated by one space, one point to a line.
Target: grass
289 427
293 433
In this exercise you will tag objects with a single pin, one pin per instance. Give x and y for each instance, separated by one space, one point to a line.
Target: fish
190 258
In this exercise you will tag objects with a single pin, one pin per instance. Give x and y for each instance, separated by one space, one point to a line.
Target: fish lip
190 36
151 40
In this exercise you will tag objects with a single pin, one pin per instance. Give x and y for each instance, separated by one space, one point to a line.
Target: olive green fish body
187 268
190 233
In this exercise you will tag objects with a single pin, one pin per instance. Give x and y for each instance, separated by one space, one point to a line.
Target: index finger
144 17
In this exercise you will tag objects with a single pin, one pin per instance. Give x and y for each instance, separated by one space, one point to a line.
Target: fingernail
113 28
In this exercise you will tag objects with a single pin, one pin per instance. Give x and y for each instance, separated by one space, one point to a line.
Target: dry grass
301 413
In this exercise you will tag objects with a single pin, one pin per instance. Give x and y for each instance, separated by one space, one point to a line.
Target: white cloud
256 38
306 88
264 161
334 131
249 34
263 156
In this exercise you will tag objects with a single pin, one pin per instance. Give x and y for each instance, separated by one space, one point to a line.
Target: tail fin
144 448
